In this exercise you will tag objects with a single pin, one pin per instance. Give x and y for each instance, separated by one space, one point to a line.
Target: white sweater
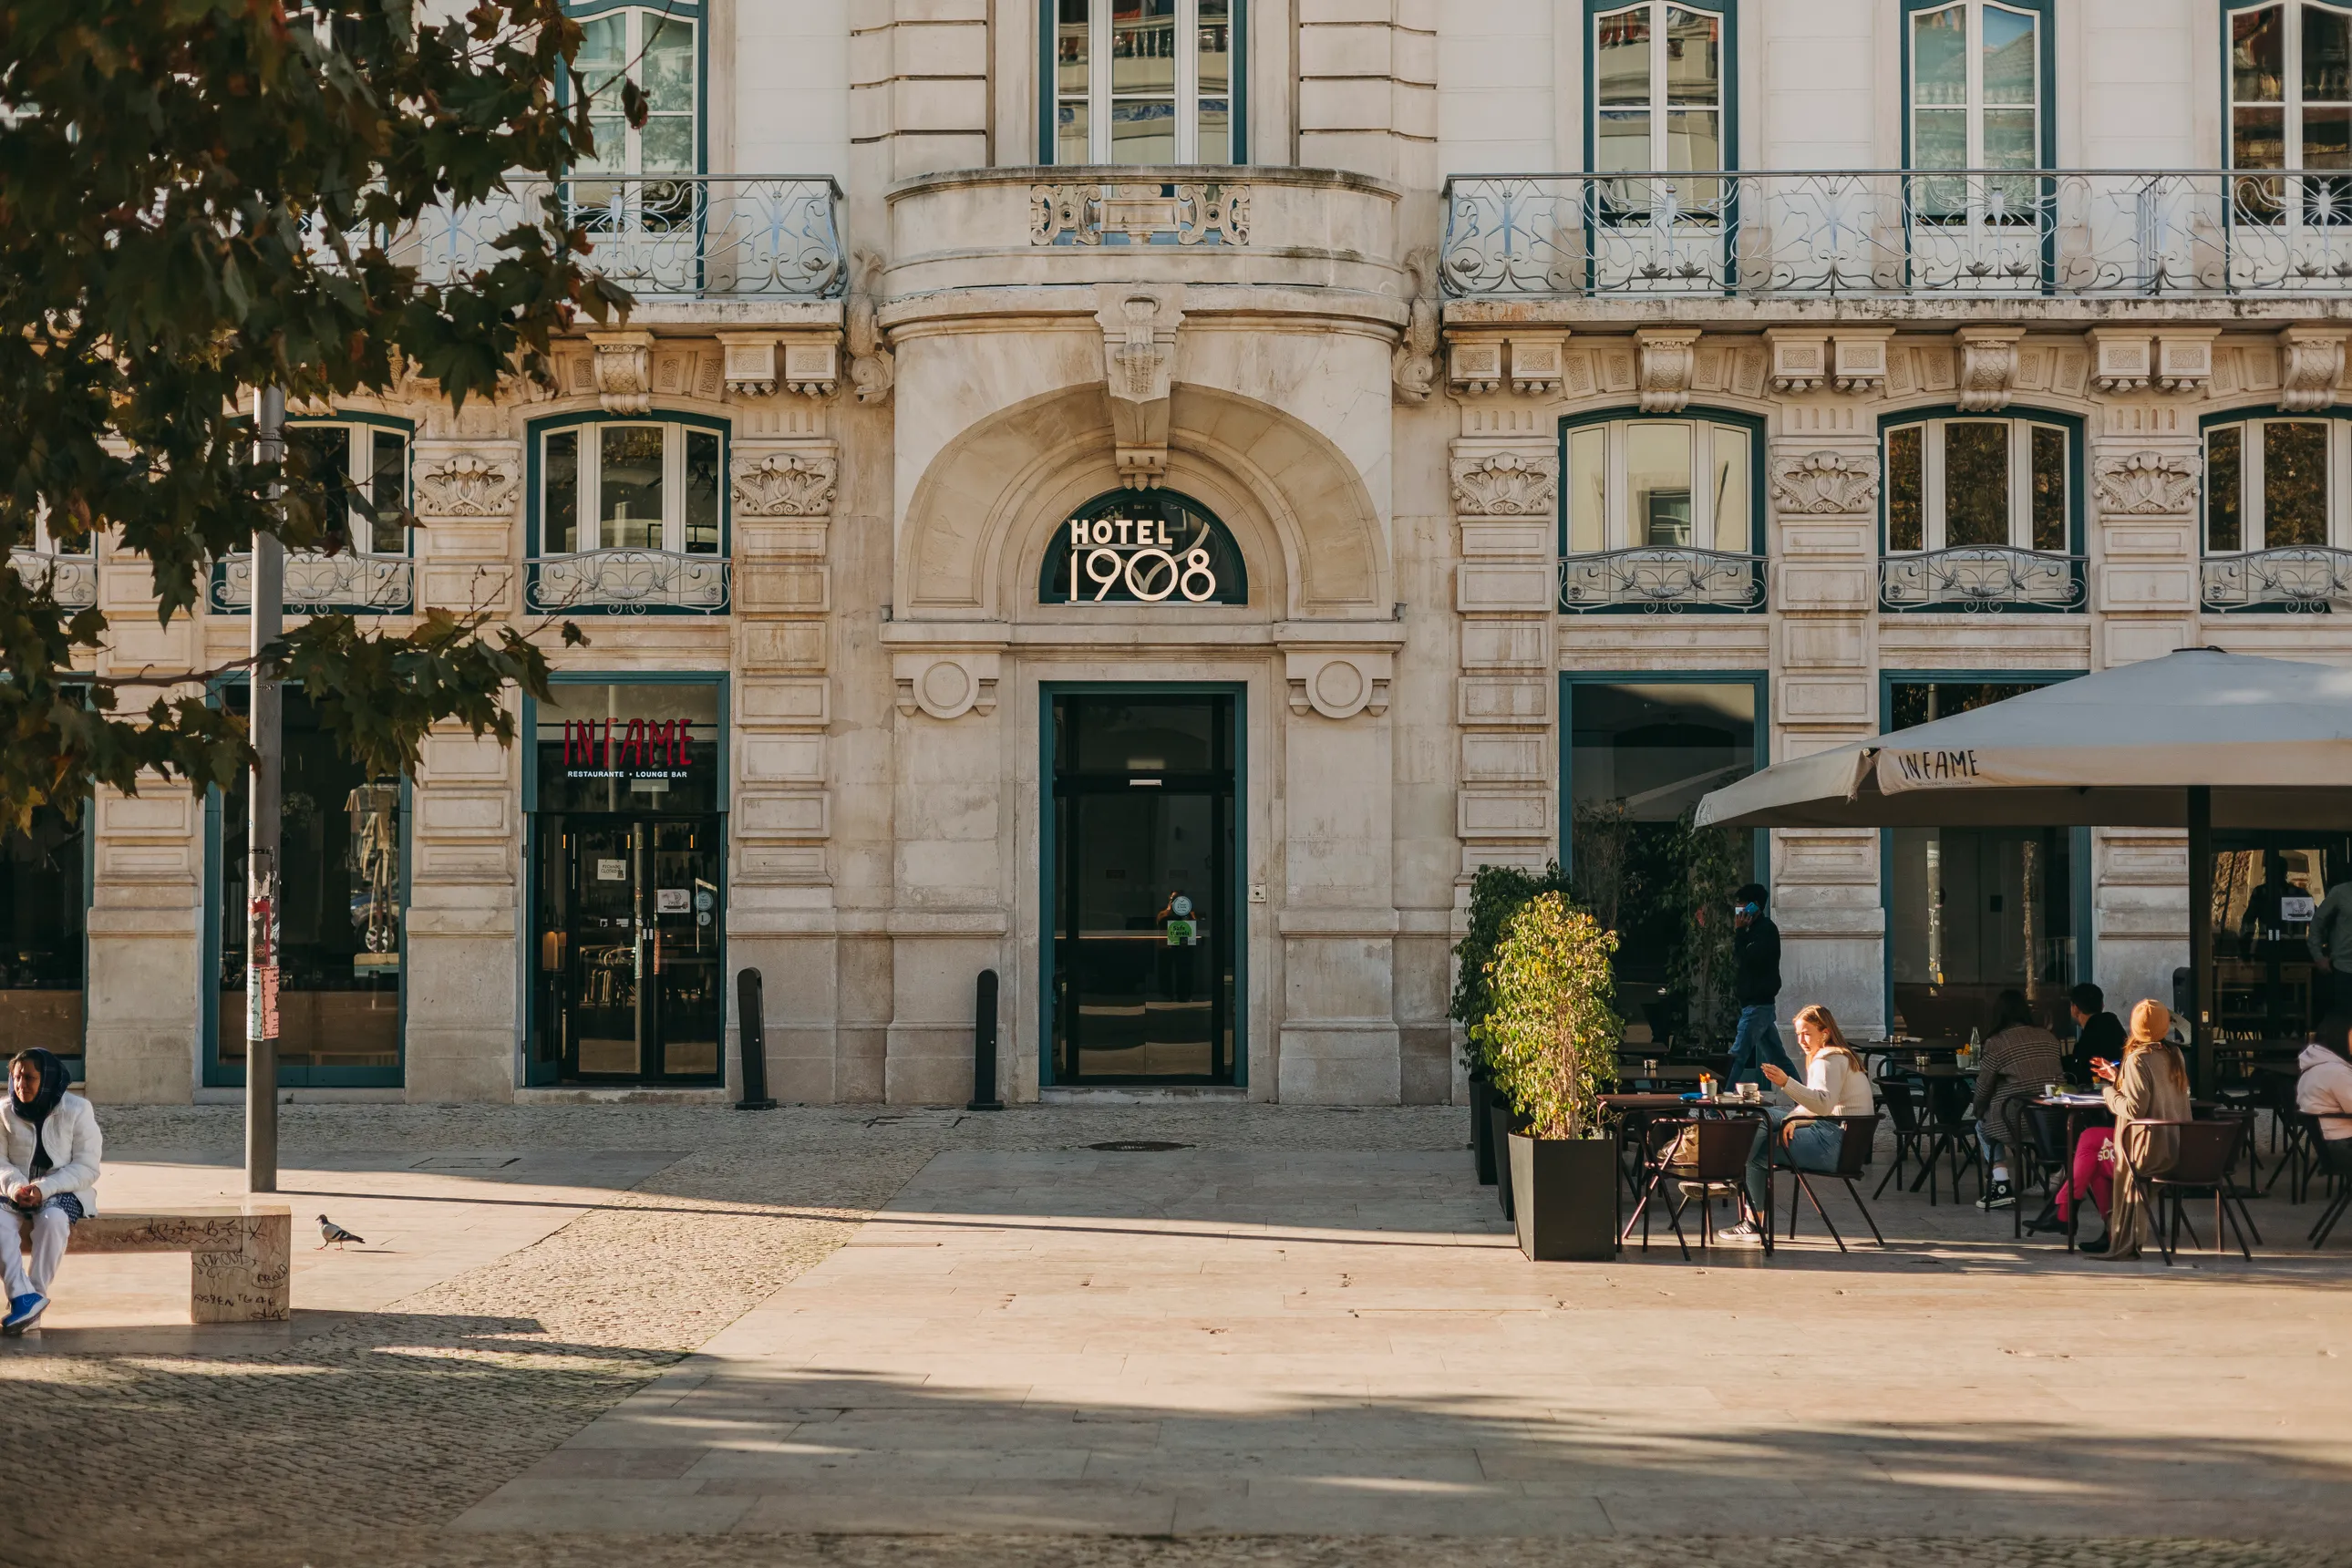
2325 1091
68 1136
1832 1087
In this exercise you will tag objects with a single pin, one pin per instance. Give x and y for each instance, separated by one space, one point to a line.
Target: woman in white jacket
50 1153
1837 1084
2324 1089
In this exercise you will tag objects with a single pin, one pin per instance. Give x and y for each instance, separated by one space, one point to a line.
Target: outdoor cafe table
2082 1111
1636 1111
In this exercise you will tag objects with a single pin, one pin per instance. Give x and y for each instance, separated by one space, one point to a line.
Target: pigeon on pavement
334 1235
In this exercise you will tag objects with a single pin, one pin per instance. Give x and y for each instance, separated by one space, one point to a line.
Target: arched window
1142 547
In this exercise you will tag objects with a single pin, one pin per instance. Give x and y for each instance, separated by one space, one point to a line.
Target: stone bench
240 1257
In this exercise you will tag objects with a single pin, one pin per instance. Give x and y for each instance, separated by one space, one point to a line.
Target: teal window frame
1049 97
2076 527
2046 37
218 1074
2337 419
693 11
1727 10
535 436
1564 769
1757 534
86 819
528 1073
362 419
2082 896
1046 693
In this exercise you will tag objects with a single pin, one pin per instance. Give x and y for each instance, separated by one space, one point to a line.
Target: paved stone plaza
651 1335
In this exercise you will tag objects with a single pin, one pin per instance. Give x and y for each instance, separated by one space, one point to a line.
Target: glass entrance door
1145 927
630 981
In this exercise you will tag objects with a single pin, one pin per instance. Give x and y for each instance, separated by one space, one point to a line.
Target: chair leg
1807 1188
2328 1217
2240 1230
1792 1204
1855 1193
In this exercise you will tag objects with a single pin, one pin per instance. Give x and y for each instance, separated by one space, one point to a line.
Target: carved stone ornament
2147 484
872 367
1824 483
465 484
1801 361
1858 362
750 362
1139 325
2311 362
1669 357
1474 366
1988 368
784 484
812 363
1337 684
1188 213
624 371
1505 484
946 686
1412 367
2121 362
2184 361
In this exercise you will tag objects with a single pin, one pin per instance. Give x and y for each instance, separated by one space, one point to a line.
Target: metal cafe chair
2047 1160
1898 1095
2334 1159
1951 1132
1854 1155
2204 1153
1715 1159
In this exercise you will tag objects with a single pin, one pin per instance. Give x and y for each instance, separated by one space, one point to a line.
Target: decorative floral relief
1505 484
784 484
1824 482
2147 484
465 484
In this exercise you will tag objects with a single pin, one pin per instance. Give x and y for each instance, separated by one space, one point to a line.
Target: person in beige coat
2150 1084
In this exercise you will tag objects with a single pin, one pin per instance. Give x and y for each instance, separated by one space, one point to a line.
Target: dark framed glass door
629 916
1146 929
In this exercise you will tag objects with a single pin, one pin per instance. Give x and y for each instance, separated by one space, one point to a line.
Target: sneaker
22 1310
2095 1247
1744 1231
2002 1197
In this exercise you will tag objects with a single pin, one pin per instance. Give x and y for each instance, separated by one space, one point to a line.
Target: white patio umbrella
2271 738
2195 740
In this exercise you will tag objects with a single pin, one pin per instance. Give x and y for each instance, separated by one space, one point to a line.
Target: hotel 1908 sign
1143 547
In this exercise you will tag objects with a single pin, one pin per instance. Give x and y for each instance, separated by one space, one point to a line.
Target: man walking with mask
1755 987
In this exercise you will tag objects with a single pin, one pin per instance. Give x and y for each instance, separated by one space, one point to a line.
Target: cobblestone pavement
352 1447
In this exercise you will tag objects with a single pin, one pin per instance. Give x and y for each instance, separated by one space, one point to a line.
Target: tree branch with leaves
201 197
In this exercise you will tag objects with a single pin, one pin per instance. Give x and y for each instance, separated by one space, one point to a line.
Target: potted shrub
1495 893
1550 1039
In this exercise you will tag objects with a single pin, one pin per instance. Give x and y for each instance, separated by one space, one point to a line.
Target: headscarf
2151 1030
45 1095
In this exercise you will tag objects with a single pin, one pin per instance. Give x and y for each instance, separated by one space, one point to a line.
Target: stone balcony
1203 225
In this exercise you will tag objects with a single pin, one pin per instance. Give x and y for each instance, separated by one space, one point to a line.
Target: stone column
779 913
2145 465
1824 480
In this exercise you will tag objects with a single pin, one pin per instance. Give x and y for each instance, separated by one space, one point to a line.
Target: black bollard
753 1030
984 1045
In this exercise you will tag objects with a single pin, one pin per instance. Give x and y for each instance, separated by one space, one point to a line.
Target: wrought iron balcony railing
627 581
1981 577
2109 233
72 579
1662 578
686 235
2309 579
318 584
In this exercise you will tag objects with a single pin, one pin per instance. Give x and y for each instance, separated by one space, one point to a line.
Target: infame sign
1936 767
1142 550
643 744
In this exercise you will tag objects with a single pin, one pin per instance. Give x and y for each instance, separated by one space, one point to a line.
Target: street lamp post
261 924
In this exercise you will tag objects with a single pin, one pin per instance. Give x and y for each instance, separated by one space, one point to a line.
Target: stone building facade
1859 355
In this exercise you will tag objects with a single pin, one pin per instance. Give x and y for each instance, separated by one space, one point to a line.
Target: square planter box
1564 1198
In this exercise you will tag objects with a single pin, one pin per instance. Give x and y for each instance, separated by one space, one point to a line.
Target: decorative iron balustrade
627 581
2305 579
72 580
1662 578
2122 233
691 234
320 584
1981 577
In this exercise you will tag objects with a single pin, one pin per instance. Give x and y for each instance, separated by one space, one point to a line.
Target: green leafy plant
199 198
1550 1031
1496 894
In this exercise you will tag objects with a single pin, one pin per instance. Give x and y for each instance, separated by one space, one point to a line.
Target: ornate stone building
1147 496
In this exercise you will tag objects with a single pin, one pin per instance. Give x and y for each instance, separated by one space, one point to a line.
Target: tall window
2273 484
1999 483
2290 106
626 485
1659 483
352 462
1976 87
1658 93
655 48
44 916
1142 81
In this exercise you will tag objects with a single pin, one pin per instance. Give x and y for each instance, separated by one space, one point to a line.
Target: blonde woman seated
1837 1084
